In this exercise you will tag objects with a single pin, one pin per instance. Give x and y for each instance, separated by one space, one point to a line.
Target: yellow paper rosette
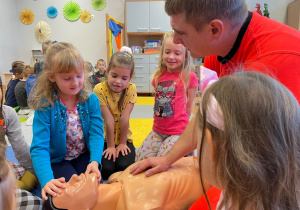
85 16
26 16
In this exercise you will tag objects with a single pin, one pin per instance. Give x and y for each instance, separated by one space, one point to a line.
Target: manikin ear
42 52
210 143
216 28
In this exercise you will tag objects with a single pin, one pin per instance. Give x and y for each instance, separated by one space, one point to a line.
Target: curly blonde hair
187 65
61 57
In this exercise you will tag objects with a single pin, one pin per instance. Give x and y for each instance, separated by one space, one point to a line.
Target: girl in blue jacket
67 126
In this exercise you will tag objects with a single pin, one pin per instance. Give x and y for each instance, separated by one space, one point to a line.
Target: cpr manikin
176 188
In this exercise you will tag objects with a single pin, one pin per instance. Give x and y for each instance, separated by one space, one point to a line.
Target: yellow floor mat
145 100
140 129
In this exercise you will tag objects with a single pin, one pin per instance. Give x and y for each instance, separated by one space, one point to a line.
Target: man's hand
156 165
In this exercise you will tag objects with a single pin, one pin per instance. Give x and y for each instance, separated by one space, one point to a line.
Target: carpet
140 129
145 101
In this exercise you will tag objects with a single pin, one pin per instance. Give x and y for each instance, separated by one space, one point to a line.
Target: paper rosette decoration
98 4
72 11
26 16
42 31
52 12
85 16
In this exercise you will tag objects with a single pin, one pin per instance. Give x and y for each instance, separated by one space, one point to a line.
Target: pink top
170 117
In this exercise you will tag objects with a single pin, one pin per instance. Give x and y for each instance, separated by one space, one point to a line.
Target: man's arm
186 143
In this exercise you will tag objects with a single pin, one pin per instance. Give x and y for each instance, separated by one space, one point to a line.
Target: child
117 97
92 78
10 196
31 80
9 120
101 73
7 180
45 46
10 98
250 144
175 89
20 91
67 126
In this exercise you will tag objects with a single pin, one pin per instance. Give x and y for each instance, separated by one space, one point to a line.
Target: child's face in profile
101 66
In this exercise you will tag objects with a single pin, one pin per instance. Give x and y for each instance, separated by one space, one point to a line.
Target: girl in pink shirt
175 89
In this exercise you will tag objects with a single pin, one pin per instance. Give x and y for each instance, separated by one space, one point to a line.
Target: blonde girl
175 89
67 126
249 131
117 97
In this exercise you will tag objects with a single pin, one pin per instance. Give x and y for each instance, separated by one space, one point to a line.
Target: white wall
17 39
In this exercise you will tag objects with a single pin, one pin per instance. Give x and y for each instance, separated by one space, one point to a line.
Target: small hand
110 152
123 148
52 187
94 167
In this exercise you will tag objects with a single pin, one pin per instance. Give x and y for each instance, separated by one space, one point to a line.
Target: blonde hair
89 67
257 157
28 70
46 45
61 57
7 177
124 60
187 65
101 60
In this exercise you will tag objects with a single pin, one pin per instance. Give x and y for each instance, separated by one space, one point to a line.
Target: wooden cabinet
145 20
145 65
146 16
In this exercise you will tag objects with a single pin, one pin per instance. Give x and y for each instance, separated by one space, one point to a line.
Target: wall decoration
85 16
26 16
98 4
72 11
52 12
42 31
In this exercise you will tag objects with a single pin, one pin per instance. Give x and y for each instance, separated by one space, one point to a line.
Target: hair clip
125 53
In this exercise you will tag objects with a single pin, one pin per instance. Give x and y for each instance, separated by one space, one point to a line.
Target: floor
141 120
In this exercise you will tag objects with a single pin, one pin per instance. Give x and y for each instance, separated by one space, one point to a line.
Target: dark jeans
122 162
67 168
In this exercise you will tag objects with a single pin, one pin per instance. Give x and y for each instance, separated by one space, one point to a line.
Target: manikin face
173 55
83 189
101 66
118 78
69 84
197 42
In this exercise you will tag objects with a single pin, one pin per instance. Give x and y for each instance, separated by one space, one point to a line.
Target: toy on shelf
152 46
266 11
258 8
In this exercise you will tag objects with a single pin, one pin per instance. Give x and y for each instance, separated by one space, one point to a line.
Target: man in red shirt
229 37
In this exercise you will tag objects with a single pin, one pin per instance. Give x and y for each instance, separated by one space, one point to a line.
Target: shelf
145 33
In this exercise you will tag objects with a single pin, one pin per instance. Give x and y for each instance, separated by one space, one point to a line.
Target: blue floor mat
10 155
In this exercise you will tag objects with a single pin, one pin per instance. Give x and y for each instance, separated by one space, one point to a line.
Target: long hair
200 12
257 157
7 177
124 60
61 57
187 65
